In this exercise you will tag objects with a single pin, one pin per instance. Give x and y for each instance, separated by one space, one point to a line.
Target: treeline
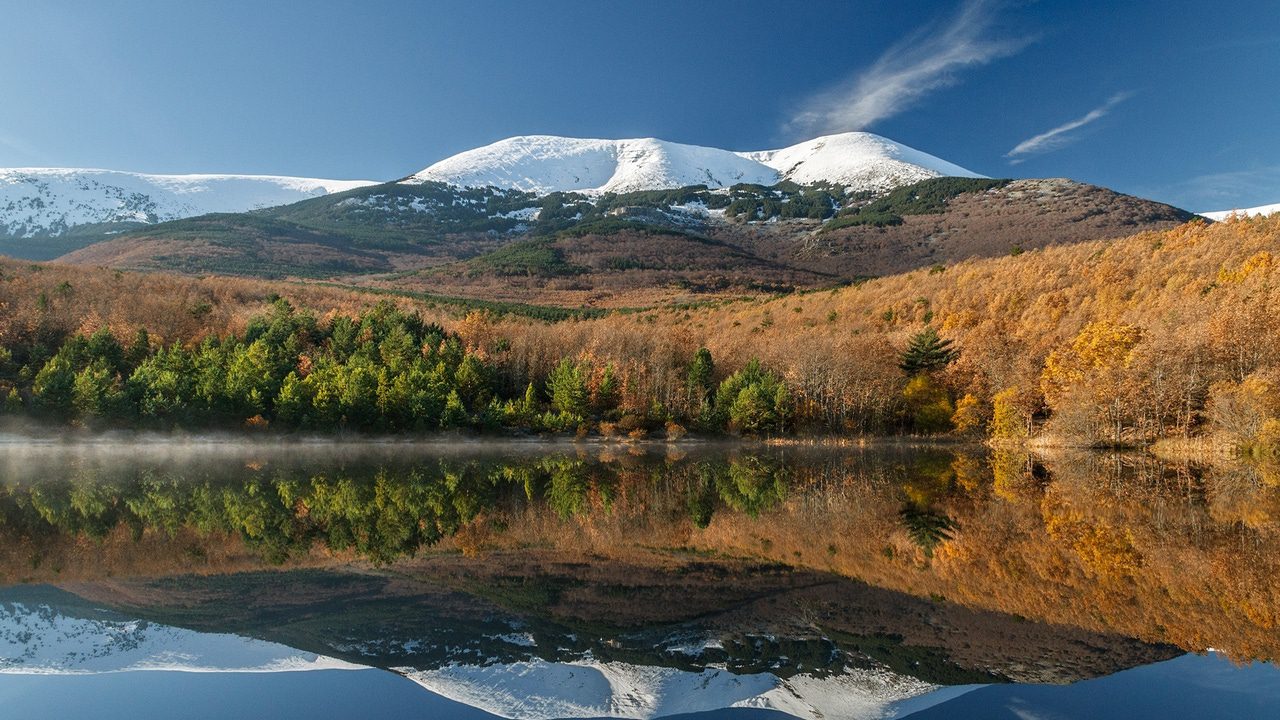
386 370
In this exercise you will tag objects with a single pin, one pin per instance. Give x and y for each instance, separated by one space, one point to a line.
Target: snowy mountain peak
50 201
856 159
547 163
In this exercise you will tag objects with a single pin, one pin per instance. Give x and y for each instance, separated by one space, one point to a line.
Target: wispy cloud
1229 190
926 60
1060 136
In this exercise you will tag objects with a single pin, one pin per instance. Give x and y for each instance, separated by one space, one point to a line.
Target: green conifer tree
927 353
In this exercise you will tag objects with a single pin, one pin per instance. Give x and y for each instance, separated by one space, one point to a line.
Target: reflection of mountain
45 631
540 690
49 632
464 626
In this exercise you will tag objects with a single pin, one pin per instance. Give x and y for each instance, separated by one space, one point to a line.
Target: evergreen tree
54 387
291 404
753 400
162 386
606 394
472 381
701 370
454 415
12 402
567 388
97 391
104 346
529 404
927 353
139 349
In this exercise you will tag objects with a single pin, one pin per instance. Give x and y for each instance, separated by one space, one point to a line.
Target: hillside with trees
1120 342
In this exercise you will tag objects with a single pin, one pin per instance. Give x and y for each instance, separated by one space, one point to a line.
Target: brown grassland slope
1024 214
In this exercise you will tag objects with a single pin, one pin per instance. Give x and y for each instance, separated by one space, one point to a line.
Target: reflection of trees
702 495
382 513
927 476
1168 553
567 488
927 528
752 484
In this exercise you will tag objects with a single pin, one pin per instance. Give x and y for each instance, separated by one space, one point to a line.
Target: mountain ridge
42 210
545 164
47 212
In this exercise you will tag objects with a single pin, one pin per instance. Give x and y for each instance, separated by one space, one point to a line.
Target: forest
1157 336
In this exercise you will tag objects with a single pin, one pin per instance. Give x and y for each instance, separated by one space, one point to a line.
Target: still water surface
551 581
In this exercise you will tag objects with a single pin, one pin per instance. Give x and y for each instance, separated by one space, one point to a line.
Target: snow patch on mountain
546 163
50 201
1247 212
39 640
540 690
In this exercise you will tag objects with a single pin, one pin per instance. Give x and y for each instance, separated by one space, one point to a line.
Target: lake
155 578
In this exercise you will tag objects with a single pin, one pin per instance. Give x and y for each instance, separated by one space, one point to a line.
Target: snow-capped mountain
90 205
39 639
51 201
1248 212
545 163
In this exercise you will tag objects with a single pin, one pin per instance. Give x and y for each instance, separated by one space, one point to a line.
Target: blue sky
1165 98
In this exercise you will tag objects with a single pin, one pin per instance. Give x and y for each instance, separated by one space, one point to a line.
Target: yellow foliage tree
929 405
1090 384
968 417
1008 420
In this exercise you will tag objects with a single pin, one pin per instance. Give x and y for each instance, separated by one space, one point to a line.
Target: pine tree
927 353
530 402
12 402
454 415
567 388
701 370
54 387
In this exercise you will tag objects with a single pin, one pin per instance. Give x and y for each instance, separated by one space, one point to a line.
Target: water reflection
899 568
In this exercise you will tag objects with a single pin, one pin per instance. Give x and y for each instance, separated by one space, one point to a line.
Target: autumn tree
1091 385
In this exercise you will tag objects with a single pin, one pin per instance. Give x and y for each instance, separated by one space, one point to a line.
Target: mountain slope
41 203
545 163
631 248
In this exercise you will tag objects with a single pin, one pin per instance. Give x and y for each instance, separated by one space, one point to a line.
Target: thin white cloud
1059 136
1213 192
912 68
